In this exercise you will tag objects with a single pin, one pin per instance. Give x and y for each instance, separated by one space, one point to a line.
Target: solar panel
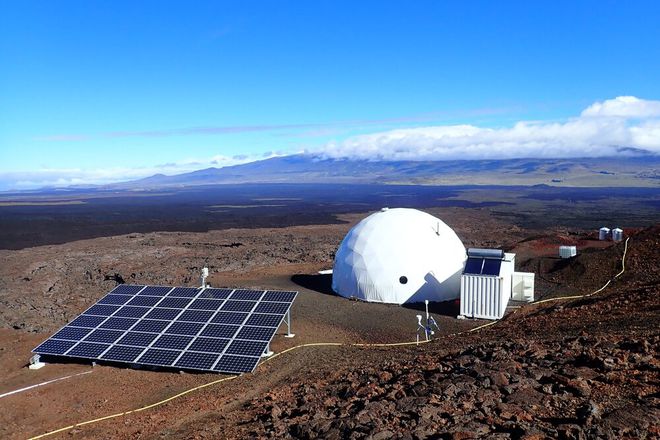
72 333
210 329
122 353
236 364
126 289
139 339
473 265
115 299
132 312
482 266
491 267
155 291
88 321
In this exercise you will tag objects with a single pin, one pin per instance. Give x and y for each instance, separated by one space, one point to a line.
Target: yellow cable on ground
317 344
623 269
89 422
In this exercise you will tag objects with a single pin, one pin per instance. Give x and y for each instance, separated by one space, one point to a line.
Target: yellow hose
623 269
316 344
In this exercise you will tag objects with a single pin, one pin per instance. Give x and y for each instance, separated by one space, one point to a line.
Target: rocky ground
589 368
585 368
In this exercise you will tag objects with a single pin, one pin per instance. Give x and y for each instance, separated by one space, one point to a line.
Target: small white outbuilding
399 256
567 251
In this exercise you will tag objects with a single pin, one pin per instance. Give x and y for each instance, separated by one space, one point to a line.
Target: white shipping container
567 251
483 297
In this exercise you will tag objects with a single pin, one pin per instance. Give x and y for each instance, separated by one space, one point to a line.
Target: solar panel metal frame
98 337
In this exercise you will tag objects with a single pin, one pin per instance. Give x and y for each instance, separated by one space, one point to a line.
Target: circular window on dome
403 279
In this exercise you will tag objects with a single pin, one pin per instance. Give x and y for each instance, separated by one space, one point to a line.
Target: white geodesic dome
399 255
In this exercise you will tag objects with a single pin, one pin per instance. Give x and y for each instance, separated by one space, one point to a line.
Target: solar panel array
482 266
221 330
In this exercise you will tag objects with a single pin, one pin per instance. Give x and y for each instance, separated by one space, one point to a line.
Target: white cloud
624 107
603 129
62 177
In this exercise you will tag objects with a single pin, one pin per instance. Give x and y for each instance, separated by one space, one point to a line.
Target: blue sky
97 91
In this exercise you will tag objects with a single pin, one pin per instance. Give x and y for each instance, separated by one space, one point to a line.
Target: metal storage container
617 234
603 233
483 296
567 251
522 286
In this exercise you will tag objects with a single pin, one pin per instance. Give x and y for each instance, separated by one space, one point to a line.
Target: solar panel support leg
288 325
267 352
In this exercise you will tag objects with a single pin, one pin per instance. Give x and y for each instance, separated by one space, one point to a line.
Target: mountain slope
619 171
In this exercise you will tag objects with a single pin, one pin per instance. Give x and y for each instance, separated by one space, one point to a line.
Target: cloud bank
622 124
63 177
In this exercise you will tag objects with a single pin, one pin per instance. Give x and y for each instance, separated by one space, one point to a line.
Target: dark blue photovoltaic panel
184 292
88 350
174 342
264 320
176 303
220 330
492 267
229 317
246 295
137 338
54 346
195 315
155 290
122 353
185 328
277 296
146 301
246 348
156 356
473 265
132 312
150 325
211 345
482 266
223 330
256 333
107 336
236 364
115 299
167 314
272 307
206 304
125 289
72 333
215 293
101 310
88 321
197 361
119 323
238 306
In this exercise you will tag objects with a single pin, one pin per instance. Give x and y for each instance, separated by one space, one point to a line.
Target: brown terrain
574 369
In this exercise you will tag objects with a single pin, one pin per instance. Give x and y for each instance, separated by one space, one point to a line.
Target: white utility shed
489 281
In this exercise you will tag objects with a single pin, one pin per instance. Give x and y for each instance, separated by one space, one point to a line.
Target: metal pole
288 325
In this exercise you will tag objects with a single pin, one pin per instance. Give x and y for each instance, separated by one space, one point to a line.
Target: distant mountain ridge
303 168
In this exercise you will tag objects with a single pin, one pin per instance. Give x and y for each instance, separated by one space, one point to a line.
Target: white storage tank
603 233
617 234
567 251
